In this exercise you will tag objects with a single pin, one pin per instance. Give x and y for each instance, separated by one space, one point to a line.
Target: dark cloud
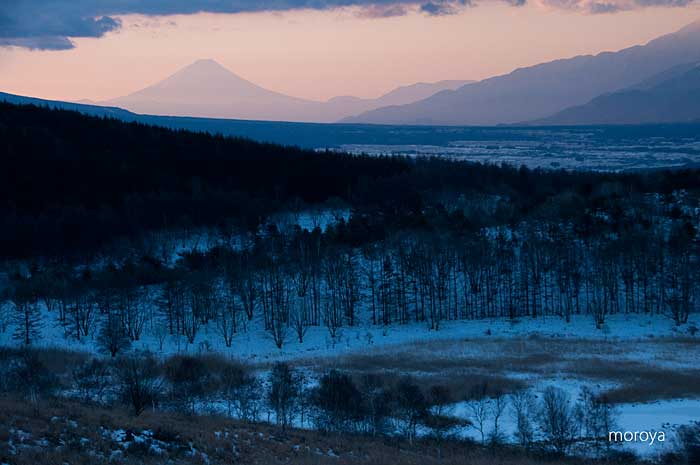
672 3
49 27
601 8
38 43
50 24
442 8
383 11
613 6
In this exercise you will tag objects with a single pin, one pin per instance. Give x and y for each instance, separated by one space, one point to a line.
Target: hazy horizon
317 55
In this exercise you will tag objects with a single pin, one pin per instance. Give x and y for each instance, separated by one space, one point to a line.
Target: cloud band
50 24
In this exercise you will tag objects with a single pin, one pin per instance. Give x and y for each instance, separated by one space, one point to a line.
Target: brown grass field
59 432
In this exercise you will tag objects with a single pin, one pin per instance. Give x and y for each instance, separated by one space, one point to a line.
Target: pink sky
321 54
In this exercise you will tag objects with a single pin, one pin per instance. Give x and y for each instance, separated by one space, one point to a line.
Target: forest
91 205
75 183
425 240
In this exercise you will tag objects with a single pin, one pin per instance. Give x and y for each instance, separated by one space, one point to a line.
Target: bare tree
27 321
341 291
597 416
297 318
31 377
439 418
91 380
191 382
132 310
160 331
478 406
410 407
140 383
524 409
278 327
227 321
275 297
499 404
82 313
283 393
377 400
26 315
232 377
247 398
112 338
557 419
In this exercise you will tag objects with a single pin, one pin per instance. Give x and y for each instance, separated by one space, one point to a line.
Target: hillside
84 108
539 91
671 97
71 181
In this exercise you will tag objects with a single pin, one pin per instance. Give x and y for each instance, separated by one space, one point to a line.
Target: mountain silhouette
91 109
670 97
542 90
207 89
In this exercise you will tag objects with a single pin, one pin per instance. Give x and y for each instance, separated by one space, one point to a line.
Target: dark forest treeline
287 283
426 240
71 182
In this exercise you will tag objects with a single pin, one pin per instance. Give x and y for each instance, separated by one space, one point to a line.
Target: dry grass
641 382
64 424
462 386
644 370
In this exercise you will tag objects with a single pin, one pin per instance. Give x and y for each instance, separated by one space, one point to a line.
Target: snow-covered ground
651 417
581 153
666 415
256 345
541 352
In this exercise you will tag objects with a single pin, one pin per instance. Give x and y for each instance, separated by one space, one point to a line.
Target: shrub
91 379
112 339
410 406
190 380
140 383
31 378
377 400
339 403
283 393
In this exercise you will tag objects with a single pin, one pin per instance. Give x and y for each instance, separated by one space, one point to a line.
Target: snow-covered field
253 344
538 353
538 149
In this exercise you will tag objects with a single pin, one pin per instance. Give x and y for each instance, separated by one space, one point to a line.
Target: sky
314 49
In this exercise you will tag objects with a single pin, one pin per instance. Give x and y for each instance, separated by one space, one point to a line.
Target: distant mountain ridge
207 89
87 109
412 93
673 96
539 91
